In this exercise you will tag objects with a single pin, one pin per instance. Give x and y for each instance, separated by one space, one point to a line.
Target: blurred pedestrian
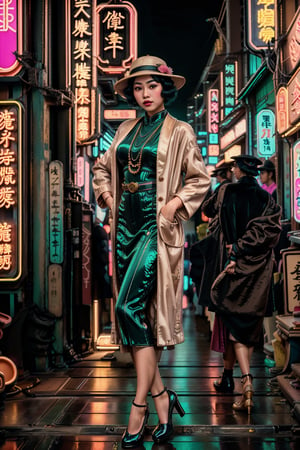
268 178
152 177
206 262
223 174
250 223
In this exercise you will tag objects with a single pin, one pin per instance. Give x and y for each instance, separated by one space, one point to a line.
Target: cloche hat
148 65
267 166
248 163
220 167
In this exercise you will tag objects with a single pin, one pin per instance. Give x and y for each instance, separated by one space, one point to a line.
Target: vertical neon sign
116 36
83 67
296 180
10 36
213 122
10 191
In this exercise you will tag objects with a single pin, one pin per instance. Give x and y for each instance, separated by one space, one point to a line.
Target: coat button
160 199
161 179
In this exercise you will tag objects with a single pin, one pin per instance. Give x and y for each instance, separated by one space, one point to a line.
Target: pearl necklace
135 163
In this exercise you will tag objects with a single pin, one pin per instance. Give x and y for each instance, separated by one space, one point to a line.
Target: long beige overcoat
180 172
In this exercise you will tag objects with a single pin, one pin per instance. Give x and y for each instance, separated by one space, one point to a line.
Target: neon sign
83 67
10 36
296 180
10 191
265 133
282 111
213 122
116 36
261 24
229 87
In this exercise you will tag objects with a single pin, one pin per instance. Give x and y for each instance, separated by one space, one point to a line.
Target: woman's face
147 93
237 173
265 177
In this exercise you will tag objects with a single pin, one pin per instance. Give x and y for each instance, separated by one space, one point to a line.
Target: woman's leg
145 362
161 402
243 355
229 357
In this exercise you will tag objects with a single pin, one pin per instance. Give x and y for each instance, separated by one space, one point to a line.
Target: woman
151 178
250 224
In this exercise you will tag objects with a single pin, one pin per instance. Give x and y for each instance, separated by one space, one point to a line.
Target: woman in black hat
268 178
250 223
152 177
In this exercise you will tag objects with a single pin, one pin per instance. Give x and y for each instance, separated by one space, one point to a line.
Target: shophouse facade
58 114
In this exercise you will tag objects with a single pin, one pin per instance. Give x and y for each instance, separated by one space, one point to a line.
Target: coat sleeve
262 233
102 181
196 180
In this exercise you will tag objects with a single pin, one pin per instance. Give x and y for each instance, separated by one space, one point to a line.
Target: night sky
181 36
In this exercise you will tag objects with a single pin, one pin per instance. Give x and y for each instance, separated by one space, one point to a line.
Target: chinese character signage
56 211
86 259
294 97
265 133
282 110
213 122
119 114
229 87
11 207
261 24
10 36
83 67
116 36
291 270
296 180
292 45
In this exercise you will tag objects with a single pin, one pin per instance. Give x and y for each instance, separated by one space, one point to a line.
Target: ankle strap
139 406
246 375
162 392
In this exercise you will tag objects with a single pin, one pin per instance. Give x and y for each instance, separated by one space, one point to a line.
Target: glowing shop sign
296 180
265 133
116 36
261 24
292 46
235 133
119 114
229 87
10 190
10 36
56 211
293 88
282 112
83 67
213 122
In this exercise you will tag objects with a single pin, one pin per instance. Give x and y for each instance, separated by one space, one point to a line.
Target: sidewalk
87 405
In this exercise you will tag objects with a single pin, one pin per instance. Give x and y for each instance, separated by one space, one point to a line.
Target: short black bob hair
169 92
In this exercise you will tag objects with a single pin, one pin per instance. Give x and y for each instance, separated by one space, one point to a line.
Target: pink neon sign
10 36
296 180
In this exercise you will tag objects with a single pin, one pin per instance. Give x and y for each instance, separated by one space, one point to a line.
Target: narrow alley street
87 405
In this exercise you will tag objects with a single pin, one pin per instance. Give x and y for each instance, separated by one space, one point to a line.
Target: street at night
149 224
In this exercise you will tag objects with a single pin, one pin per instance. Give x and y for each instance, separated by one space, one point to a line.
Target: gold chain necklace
134 164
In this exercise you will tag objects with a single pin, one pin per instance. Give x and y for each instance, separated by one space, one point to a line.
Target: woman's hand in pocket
169 210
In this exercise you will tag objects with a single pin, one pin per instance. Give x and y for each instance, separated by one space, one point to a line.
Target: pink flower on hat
165 69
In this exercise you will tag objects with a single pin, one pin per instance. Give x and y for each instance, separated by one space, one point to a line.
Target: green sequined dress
136 243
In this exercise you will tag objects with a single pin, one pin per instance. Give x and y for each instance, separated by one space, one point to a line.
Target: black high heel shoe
135 440
163 431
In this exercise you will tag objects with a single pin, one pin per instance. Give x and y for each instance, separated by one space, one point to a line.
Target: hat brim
121 84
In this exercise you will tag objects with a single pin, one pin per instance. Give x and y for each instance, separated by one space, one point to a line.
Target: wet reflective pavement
86 405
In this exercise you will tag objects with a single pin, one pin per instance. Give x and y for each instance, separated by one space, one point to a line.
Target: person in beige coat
152 178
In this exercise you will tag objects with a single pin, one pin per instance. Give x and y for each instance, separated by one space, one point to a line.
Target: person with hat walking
268 178
250 225
152 178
